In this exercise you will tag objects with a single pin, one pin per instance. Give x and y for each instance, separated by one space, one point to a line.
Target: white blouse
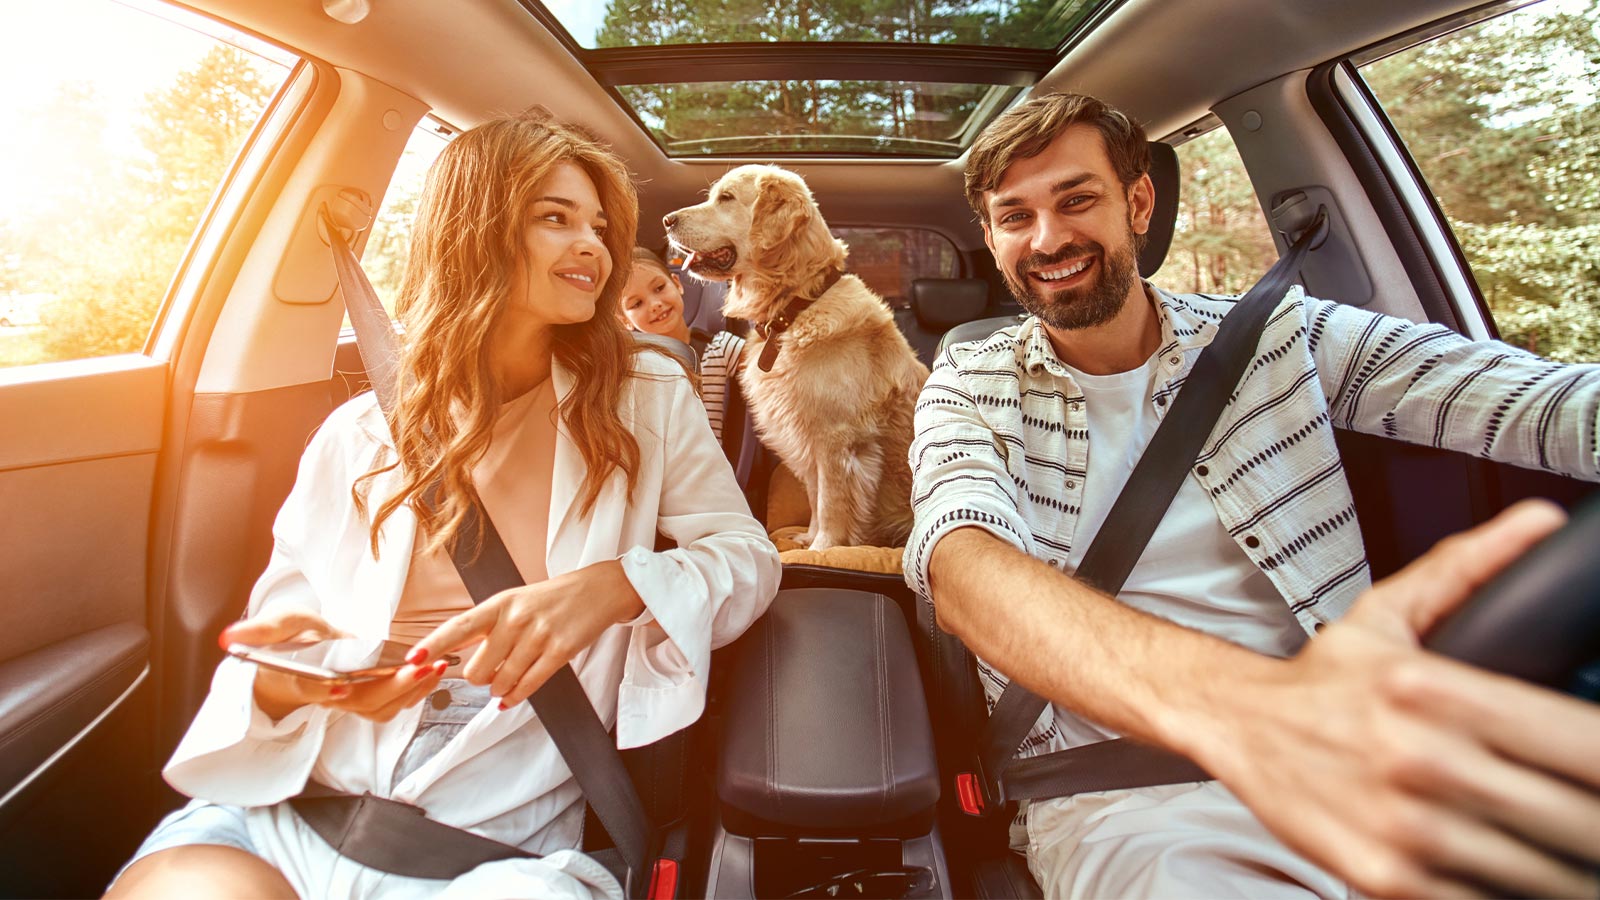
502 776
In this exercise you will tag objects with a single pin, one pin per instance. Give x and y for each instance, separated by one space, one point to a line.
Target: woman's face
653 301
565 262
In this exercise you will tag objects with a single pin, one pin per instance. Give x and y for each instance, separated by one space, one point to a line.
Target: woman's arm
680 603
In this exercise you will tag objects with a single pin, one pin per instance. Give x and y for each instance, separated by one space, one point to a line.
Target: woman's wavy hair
466 252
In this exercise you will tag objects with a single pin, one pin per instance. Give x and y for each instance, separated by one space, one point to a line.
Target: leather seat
937 304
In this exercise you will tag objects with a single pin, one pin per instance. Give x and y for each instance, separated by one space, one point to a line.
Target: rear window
889 259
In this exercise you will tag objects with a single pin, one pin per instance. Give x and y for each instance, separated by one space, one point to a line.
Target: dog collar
780 323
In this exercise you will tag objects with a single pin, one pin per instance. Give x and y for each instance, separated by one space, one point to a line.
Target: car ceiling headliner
1165 62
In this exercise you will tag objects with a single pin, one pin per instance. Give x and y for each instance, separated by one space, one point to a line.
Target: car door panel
240 453
77 474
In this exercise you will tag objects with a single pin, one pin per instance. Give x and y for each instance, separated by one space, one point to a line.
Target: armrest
826 724
49 695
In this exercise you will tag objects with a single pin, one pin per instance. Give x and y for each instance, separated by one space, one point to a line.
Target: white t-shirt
1191 572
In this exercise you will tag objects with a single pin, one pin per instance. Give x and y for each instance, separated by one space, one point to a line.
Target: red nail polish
417 656
340 691
420 674
503 706
439 667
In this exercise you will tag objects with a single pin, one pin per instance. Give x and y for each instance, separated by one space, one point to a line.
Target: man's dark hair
1024 132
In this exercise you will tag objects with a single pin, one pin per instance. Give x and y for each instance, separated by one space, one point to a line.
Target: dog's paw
824 542
804 538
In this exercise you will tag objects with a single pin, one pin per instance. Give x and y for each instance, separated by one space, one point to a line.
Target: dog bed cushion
860 559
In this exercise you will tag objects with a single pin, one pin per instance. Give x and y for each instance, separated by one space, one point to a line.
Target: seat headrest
940 303
1164 174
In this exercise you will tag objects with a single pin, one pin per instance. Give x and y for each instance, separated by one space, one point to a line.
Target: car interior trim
44 767
1419 206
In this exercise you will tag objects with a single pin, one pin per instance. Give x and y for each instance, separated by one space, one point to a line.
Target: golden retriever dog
829 378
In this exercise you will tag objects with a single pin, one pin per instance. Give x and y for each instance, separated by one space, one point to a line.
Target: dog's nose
669 220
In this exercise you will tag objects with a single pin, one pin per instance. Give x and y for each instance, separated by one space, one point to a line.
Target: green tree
1221 244
1502 120
868 115
112 274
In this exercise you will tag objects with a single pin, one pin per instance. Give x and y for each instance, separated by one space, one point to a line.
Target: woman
521 394
652 302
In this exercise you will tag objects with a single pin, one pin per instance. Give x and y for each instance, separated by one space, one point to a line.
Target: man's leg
1179 840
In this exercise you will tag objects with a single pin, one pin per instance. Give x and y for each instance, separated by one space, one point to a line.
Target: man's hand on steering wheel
1410 774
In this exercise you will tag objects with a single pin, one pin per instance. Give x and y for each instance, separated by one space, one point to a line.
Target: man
1352 756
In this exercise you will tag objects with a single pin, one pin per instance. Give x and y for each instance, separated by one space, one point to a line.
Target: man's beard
1086 306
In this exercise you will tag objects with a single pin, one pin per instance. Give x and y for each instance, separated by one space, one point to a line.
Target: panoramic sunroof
1037 24
848 118
823 78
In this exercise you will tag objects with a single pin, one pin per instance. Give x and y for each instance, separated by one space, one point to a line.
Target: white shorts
1176 840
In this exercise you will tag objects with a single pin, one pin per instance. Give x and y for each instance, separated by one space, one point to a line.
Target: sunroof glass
1038 24
901 118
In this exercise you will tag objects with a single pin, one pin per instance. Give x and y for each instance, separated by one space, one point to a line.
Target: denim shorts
200 822
445 713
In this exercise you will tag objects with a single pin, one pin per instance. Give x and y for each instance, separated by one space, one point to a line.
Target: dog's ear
783 207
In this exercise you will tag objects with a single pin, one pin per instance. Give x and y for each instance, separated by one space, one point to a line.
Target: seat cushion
884 560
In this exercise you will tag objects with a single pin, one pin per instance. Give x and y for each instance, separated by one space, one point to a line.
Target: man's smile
1062 271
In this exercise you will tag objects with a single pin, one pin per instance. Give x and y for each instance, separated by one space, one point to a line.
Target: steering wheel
1539 619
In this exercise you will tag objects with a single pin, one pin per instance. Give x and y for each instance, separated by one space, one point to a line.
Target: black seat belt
560 703
1117 546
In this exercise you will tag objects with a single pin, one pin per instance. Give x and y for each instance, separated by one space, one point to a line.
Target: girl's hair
466 252
648 257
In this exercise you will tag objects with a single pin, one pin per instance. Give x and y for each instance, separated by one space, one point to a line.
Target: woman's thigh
201 870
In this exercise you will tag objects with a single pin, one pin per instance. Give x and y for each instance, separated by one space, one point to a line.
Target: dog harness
777 325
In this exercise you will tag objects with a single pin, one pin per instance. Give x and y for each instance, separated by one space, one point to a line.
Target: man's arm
1403 772
1426 384
1121 667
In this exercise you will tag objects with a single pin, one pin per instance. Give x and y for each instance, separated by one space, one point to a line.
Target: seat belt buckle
663 880
977 795
969 794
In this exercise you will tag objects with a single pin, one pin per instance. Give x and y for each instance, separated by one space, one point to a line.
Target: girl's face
565 263
653 301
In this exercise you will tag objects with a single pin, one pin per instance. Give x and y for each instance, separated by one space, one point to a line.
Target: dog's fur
837 405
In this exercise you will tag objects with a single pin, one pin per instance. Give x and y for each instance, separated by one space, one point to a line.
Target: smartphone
335 661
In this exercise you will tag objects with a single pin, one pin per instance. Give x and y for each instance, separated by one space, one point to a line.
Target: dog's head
759 224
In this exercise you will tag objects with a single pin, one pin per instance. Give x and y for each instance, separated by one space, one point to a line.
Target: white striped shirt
717 365
1002 440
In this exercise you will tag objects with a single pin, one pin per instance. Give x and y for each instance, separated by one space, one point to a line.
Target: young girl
519 395
652 302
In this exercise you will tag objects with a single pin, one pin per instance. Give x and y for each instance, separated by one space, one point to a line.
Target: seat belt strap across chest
1120 542
560 703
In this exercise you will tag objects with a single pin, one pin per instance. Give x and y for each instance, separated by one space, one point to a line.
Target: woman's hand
280 693
530 632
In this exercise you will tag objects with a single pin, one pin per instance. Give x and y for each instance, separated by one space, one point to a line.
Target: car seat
939 304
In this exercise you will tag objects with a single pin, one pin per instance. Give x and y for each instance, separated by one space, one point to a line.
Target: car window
123 125
1502 121
1221 243
889 259
384 256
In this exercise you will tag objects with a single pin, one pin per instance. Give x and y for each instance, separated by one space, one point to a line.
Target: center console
827 780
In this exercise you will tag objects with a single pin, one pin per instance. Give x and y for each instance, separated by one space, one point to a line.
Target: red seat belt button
664 879
969 794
